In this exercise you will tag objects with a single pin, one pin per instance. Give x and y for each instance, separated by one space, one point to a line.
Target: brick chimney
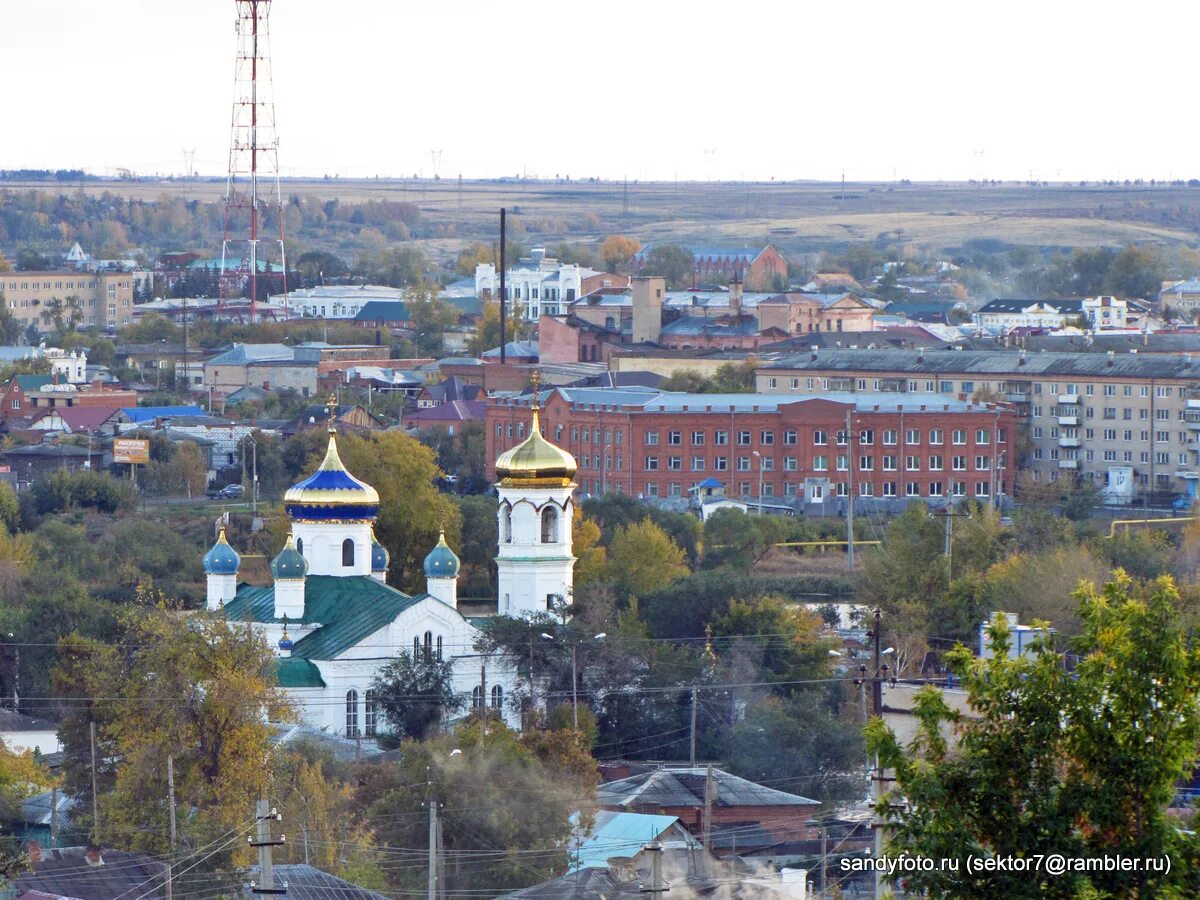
34 849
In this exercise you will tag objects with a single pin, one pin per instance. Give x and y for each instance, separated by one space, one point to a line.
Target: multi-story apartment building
539 285
803 449
97 299
1128 422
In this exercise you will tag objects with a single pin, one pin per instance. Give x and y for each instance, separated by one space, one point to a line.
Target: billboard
131 450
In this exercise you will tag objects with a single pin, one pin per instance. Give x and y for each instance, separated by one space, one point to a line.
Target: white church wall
320 543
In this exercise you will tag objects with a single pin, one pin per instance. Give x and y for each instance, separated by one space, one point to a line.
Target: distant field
797 217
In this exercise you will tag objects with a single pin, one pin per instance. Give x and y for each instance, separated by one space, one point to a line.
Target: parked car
229 492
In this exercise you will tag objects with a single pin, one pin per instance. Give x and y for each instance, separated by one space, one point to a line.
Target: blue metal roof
149 413
619 834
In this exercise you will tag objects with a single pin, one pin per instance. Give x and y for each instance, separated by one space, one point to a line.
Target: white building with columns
335 622
538 285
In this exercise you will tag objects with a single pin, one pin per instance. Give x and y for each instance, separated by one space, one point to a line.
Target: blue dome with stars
441 561
379 555
222 559
289 563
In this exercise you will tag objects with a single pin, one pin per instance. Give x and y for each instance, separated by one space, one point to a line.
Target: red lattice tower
253 198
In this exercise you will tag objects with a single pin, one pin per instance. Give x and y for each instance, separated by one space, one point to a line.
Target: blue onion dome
441 561
221 559
289 564
285 642
331 494
379 555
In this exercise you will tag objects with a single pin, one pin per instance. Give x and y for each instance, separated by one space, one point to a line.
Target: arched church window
439 648
477 697
416 648
300 546
369 726
348 552
506 525
550 525
497 696
351 713
428 646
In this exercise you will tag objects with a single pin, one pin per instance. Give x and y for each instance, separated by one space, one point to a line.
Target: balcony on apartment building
1068 399
1069 421
1069 442
1068 464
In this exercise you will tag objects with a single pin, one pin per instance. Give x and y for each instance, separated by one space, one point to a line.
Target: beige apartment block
98 299
1129 423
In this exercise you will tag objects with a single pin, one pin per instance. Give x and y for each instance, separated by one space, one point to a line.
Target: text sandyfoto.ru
1041 863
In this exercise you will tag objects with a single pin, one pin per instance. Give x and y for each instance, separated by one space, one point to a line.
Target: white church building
335 623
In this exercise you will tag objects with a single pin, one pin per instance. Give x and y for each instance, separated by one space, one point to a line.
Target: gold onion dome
535 462
331 493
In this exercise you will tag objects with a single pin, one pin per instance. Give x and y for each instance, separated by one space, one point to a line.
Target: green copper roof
349 609
291 672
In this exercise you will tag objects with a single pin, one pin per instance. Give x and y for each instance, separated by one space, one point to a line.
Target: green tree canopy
1082 764
415 694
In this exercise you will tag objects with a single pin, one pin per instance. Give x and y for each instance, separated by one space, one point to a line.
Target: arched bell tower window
348 552
506 524
550 525
300 546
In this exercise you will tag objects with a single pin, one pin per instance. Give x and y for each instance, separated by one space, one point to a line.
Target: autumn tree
521 790
642 559
591 557
1082 764
617 250
487 330
411 510
199 690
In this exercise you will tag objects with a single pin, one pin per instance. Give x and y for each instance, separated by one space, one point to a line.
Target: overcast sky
655 89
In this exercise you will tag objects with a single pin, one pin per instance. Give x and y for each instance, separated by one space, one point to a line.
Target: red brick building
649 443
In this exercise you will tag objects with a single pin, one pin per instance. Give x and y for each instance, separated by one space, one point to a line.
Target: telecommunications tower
253 198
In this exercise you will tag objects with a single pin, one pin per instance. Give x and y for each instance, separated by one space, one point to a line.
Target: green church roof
291 672
349 609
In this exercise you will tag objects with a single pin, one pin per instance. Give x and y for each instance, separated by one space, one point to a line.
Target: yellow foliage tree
591 557
643 559
411 510
617 250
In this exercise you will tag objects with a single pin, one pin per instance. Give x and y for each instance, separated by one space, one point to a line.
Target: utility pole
574 691
824 857
431 802
483 697
54 816
171 811
95 789
693 754
708 802
877 710
264 814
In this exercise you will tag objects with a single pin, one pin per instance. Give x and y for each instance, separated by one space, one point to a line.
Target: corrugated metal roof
684 787
348 609
991 362
619 834
240 354
305 882
147 413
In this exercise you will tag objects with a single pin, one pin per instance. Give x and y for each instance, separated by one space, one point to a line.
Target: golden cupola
535 462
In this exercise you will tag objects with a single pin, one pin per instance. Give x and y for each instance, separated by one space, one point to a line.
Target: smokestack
735 296
503 292
34 849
